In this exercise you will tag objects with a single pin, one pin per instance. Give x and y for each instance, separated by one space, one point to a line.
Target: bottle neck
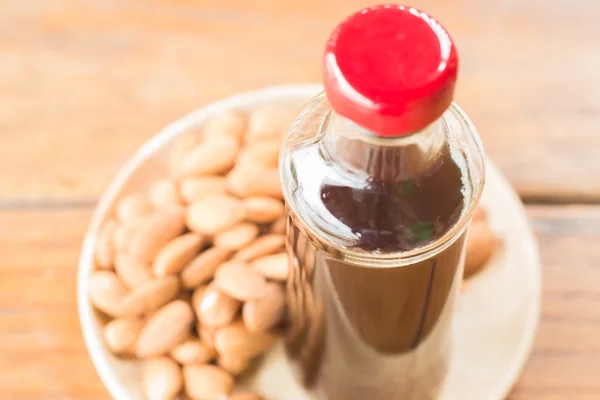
361 152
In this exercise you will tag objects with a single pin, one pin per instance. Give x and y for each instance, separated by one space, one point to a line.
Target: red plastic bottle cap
390 69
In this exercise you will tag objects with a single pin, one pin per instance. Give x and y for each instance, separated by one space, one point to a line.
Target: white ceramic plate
497 315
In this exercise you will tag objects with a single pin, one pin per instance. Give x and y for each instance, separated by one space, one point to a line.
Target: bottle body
376 234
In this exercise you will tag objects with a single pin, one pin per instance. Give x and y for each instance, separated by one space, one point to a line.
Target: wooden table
83 84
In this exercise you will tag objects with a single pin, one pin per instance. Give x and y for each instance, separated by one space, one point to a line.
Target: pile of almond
191 272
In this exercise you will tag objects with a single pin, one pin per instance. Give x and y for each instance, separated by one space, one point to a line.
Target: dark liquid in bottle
360 332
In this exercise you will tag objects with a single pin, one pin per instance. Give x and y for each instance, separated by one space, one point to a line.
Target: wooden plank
42 355
566 358
49 375
82 85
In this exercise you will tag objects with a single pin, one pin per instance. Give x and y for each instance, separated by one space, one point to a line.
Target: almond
212 156
132 271
480 214
150 296
155 233
273 266
216 308
240 281
166 329
246 396
181 146
228 123
204 382
207 334
164 194
482 243
202 268
193 351
177 254
197 297
237 236
214 214
236 339
264 153
133 206
106 292
279 226
267 311
126 232
105 248
196 188
262 246
270 122
121 335
309 263
161 379
263 209
233 363
249 180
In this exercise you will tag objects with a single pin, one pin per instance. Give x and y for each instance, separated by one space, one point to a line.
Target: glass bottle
381 176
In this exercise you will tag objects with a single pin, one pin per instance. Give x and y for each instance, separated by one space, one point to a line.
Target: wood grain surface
42 355
83 84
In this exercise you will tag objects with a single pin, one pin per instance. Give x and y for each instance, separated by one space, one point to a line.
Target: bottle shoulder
370 212
355 190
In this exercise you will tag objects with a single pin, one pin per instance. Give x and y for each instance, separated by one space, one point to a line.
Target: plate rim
93 341
526 345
